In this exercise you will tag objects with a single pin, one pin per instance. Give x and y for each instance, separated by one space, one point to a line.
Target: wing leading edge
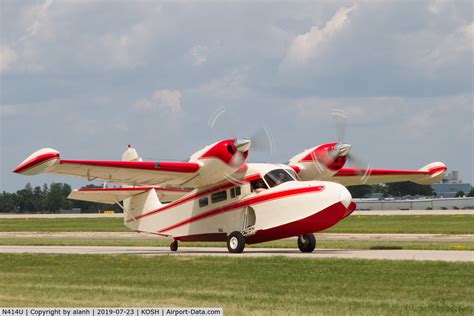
429 174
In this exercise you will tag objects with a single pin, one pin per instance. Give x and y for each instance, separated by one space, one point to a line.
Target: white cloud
436 6
308 45
231 85
162 100
459 45
199 54
7 58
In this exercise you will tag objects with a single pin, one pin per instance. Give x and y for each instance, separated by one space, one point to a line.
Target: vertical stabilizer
138 205
131 154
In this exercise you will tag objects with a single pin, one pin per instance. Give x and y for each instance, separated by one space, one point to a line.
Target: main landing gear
174 245
235 242
306 242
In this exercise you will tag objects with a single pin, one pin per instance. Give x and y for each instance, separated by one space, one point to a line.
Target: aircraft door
248 221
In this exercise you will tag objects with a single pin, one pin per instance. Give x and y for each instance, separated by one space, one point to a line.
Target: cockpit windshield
277 177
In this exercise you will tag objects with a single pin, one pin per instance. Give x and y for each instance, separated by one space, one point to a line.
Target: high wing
134 173
429 174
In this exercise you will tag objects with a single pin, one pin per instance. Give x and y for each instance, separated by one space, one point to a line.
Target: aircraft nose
345 197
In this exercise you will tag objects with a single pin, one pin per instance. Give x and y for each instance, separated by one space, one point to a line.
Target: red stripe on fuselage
185 199
251 201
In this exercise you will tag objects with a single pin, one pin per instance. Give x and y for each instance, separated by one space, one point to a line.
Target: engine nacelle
220 160
320 162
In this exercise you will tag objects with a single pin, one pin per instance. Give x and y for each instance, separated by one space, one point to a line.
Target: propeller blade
364 168
262 140
340 122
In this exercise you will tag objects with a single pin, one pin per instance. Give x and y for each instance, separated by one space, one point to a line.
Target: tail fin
131 154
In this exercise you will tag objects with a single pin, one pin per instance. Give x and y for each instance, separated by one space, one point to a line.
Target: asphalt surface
430 255
321 236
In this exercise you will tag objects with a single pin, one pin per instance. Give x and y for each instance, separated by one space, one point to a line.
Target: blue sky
89 77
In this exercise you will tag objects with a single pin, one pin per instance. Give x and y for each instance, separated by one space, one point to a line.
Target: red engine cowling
320 162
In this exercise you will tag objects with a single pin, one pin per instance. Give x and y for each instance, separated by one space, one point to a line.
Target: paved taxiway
320 236
431 255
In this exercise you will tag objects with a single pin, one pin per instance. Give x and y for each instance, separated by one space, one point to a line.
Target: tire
306 243
235 242
174 245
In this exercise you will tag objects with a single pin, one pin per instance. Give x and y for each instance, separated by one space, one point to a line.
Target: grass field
324 244
266 286
439 224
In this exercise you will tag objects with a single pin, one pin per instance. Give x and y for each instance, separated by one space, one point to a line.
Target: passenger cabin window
203 201
234 192
258 184
219 196
277 177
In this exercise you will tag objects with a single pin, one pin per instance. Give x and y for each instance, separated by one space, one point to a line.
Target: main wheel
235 242
306 242
174 245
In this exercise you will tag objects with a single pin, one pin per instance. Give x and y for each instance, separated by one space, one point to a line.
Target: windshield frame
271 177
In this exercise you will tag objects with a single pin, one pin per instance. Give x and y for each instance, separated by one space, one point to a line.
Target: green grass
435 224
242 286
321 244
63 225
406 224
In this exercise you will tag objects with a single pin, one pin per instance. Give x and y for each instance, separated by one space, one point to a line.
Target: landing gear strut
235 242
306 243
174 245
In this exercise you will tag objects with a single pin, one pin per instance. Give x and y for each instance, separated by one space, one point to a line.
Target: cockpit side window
292 173
258 184
277 177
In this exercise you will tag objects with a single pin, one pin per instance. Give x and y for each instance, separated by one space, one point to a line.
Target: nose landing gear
306 243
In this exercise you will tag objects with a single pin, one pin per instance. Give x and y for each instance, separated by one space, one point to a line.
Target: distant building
448 190
452 177
450 185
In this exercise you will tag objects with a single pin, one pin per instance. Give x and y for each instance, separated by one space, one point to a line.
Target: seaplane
217 195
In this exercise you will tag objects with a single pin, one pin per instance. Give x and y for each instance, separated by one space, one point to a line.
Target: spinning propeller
342 150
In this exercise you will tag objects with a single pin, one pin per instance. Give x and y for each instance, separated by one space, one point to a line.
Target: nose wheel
174 245
306 243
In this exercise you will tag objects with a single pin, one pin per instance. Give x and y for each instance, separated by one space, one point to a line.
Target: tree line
48 199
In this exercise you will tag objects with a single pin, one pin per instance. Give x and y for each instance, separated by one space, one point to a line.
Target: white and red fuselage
288 209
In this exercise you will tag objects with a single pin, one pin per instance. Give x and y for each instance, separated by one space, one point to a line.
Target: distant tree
408 188
360 191
460 194
25 199
471 193
38 199
8 202
56 199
